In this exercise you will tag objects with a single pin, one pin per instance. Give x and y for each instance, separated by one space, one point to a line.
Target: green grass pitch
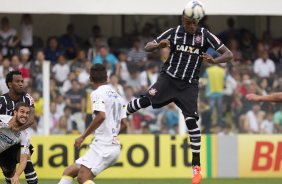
175 181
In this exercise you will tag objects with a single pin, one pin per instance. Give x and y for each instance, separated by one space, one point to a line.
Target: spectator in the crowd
205 121
216 81
226 130
253 119
61 104
230 33
53 117
146 34
134 80
76 101
247 44
67 84
25 65
113 81
9 38
26 32
149 76
234 48
61 127
38 104
137 55
4 70
36 71
122 70
277 118
170 118
77 64
16 65
229 90
61 70
93 51
96 33
70 42
263 66
52 52
54 89
83 77
107 59
267 125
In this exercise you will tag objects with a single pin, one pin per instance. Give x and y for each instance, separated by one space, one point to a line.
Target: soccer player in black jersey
178 79
8 101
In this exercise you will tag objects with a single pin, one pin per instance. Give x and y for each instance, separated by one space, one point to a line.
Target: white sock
66 180
89 182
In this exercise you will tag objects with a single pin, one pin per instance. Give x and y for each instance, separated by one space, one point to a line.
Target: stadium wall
165 156
137 7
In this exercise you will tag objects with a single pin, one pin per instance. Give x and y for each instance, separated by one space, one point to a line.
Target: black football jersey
184 61
7 105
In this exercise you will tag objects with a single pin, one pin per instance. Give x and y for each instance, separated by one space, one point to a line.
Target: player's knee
191 123
145 102
71 171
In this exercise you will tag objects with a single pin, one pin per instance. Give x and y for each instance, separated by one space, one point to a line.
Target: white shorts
99 157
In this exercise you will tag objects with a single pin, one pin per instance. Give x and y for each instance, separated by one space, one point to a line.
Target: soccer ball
194 10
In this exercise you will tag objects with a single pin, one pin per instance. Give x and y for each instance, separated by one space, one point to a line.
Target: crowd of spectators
222 105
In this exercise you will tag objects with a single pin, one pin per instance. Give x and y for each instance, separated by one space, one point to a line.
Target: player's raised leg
85 175
137 104
195 142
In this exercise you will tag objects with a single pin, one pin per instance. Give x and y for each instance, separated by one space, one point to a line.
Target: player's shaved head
98 73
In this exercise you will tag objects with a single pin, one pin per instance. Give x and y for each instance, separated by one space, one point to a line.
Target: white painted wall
140 7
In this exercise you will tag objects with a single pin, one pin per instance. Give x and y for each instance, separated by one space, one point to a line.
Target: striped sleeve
164 35
29 100
213 41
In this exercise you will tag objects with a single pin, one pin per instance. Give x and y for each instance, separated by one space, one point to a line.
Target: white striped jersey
9 138
7 105
184 61
106 99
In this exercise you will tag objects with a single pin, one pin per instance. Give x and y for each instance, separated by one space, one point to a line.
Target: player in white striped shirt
11 138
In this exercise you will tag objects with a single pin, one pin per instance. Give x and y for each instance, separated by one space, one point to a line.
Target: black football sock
137 104
195 139
30 174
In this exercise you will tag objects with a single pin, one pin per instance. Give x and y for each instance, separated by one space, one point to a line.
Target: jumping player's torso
184 61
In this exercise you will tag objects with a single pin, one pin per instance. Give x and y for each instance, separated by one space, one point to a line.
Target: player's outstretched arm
20 169
97 121
226 56
274 97
152 46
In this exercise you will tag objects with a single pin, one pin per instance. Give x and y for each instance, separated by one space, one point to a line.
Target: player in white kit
109 112
11 140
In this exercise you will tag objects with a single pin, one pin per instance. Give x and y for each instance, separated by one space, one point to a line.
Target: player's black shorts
10 157
168 89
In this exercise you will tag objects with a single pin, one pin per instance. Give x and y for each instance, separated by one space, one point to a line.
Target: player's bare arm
226 56
274 97
21 167
123 124
97 121
152 46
